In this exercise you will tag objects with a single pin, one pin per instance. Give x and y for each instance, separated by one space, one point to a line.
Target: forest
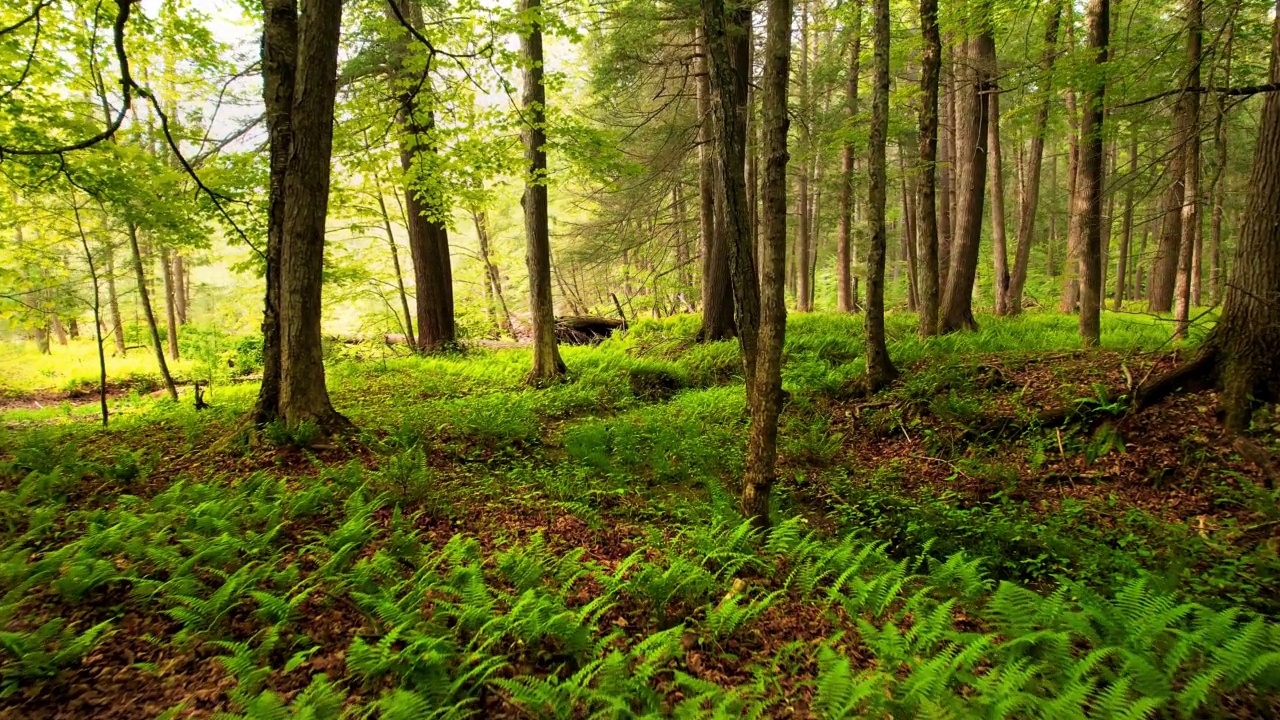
442 359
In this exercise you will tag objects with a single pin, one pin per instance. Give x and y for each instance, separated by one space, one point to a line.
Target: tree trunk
113 300
1242 353
180 294
395 260
975 83
804 290
547 365
481 220
1191 173
144 299
717 295
1164 268
908 250
170 303
1126 223
947 175
927 225
428 235
303 395
999 244
279 74
880 370
1035 162
1217 183
1088 200
846 299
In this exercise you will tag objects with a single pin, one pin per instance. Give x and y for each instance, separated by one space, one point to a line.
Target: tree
846 290
764 388
144 299
1035 160
880 370
926 207
1087 203
1241 355
300 102
976 82
547 365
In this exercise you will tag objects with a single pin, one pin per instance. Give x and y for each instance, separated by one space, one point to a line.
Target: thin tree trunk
947 174
144 299
180 288
804 296
395 260
481 220
908 192
1034 163
995 171
717 295
927 225
1126 223
1217 184
1191 173
547 365
880 370
113 300
170 303
976 82
846 299
97 314
1088 200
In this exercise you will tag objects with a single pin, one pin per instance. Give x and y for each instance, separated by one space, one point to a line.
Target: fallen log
585 330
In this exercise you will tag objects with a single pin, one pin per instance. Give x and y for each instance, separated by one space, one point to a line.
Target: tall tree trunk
113 300
1088 200
547 365
717 295
1191 173
880 370
395 260
846 299
1217 183
908 250
428 235
927 225
804 302
481 220
947 173
144 299
303 394
975 83
1069 301
279 76
1126 223
1164 268
180 294
995 171
1035 162
763 370
170 302
1242 353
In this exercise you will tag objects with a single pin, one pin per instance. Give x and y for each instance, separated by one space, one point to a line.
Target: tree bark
144 299
303 394
279 76
976 82
180 293
846 299
880 370
481 220
763 369
1088 201
927 224
717 295
908 249
804 301
1242 353
1034 163
1164 268
947 173
1126 223
547 365
1190 221
995 171
113 300
170 302
395 260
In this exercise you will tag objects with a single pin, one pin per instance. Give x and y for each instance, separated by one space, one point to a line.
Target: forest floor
487 550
